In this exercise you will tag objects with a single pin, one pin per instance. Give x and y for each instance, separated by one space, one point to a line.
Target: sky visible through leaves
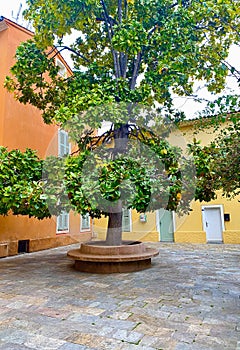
13 9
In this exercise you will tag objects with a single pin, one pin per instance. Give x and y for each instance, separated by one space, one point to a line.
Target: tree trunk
114 230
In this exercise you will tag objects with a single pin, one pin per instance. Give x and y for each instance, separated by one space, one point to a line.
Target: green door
166 226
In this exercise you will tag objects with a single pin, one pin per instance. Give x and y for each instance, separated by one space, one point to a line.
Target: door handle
206 224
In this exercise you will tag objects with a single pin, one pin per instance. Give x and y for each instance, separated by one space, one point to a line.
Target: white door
212 223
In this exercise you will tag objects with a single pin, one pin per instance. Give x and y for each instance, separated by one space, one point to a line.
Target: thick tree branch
69 49
91 142
235 73
122 57
120 11
110 35
110 20
125 9
151 31
123 64
107 17
135 71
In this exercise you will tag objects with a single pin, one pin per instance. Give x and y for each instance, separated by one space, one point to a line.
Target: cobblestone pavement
188 300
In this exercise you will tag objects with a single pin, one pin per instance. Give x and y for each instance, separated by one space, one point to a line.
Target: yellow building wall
188 228
231 234
140 231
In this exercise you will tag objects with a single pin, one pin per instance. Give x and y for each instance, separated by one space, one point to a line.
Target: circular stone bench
95 257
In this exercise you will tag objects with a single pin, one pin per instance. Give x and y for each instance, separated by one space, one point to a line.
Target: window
63 149
85 222
64 146
63 222
126 220
61 68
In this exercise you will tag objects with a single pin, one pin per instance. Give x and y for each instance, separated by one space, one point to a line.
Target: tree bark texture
114 230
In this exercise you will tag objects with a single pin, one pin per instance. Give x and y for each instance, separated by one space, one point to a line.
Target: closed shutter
85 222
63 222
126 220
63 150
63 143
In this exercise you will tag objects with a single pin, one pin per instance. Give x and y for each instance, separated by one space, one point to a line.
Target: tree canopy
218 163
130 58
166 43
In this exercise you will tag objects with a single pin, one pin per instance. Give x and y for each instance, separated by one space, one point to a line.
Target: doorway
213 223
165 226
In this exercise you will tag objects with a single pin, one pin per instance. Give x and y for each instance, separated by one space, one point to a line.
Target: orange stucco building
21 127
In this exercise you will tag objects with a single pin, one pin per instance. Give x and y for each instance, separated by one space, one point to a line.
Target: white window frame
82 229
62 69
65 145
64 229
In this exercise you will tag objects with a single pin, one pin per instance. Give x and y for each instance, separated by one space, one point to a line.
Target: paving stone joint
188 300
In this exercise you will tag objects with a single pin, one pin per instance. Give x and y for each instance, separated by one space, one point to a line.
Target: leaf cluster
21 184
217 164
146 178
139 51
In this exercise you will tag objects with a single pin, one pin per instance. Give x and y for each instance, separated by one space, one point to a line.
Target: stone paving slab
188 300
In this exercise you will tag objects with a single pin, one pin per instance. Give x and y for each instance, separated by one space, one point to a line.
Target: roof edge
188 122
31 33
16 25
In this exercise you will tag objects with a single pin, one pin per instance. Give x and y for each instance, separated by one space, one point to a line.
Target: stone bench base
94 257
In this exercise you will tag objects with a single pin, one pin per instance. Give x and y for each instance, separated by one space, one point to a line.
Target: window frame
62 71
65 229
83 229
67 145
